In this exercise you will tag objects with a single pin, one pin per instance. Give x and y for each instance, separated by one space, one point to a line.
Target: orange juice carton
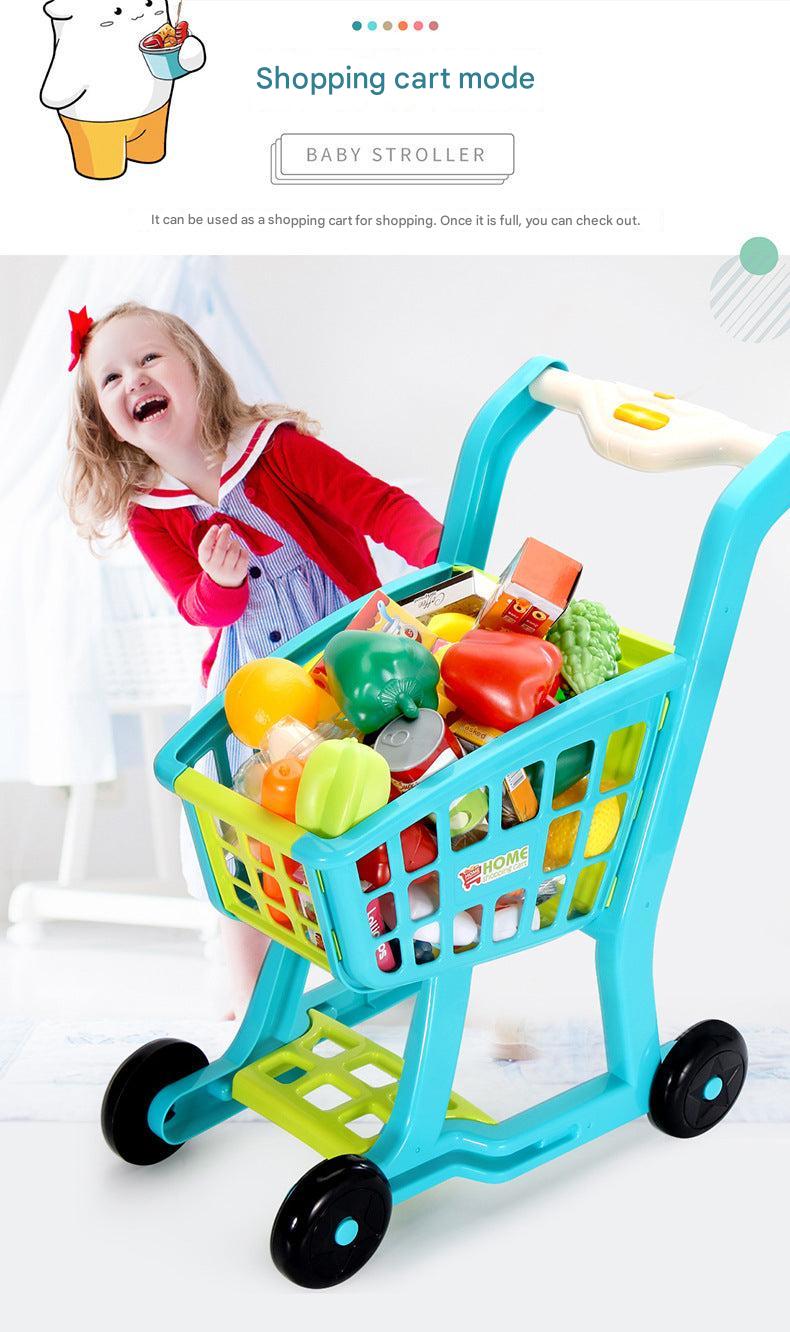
533 591
519 803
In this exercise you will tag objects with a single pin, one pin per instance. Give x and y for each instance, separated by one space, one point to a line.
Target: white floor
637 1229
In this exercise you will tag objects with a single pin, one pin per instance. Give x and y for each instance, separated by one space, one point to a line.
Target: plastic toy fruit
499 678
263 692
562 832
342 783
378 677
450 625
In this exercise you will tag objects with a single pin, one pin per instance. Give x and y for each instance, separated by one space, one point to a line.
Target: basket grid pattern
545 896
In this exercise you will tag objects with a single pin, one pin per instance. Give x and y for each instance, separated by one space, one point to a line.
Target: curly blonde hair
105 475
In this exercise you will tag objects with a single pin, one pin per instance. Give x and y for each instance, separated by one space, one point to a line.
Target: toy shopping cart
390 1127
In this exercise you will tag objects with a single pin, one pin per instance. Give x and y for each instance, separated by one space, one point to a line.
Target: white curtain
55 727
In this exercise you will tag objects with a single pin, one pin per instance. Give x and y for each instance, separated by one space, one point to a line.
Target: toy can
384 954
414 749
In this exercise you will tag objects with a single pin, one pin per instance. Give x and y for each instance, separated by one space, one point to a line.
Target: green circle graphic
759 255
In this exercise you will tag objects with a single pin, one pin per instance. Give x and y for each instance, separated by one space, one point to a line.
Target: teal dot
356 25
759 255
346 1232
372 26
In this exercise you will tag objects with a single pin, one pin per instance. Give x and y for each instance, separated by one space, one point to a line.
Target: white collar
243 453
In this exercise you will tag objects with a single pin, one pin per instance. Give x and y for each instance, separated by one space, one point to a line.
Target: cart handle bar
651 432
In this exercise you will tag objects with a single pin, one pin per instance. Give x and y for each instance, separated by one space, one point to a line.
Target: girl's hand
222 557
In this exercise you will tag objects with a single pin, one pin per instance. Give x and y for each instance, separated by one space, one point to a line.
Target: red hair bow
81 325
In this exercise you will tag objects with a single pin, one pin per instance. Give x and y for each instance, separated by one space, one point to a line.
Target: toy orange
263 692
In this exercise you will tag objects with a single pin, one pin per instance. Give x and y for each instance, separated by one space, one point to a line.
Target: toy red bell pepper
419 848
501 678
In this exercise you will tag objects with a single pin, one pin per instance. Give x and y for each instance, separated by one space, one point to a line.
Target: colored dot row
400 27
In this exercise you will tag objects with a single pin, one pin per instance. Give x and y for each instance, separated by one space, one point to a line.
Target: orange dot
403 26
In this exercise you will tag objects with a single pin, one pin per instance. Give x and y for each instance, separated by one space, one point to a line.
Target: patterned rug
56 1072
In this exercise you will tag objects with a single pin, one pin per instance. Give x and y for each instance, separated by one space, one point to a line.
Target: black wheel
132 1088
700 1080
332 1222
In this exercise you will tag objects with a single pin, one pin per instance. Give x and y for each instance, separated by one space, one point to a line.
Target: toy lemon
263 692
450 625
562 833
445 704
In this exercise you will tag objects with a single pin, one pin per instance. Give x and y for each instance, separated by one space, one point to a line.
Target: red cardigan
326 503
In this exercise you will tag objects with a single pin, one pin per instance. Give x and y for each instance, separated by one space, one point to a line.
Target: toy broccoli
588 639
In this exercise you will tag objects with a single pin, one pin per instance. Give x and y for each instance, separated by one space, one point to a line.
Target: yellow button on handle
640 416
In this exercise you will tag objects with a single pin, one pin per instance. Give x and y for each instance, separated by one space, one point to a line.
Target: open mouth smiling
150 409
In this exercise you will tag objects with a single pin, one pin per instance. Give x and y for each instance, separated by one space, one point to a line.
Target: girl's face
145 387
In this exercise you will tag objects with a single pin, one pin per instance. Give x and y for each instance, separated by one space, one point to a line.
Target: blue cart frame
675 693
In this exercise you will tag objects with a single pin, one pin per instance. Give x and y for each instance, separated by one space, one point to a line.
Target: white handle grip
648 431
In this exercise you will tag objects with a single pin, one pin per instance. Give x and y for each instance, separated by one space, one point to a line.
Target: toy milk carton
533 591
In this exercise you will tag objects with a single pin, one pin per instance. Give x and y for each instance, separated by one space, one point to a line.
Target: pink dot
433 25
417 26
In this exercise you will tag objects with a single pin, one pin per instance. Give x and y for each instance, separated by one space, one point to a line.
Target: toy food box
464 592
533 591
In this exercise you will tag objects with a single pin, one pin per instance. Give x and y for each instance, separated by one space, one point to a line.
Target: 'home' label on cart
485 871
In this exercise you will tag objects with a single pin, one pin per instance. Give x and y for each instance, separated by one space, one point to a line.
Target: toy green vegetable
342 783
571 766
377 677
588 639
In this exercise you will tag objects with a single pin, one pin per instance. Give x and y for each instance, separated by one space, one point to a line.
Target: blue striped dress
287 594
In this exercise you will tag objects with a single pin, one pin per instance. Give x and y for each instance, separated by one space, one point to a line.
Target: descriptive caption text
397 221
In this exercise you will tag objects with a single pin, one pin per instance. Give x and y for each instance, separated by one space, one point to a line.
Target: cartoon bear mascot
111 79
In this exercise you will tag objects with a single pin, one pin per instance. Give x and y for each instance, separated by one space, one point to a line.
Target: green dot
759 255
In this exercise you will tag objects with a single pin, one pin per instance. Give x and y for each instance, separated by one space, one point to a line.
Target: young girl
255 527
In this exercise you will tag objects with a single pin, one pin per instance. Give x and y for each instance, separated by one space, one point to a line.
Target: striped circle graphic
752 307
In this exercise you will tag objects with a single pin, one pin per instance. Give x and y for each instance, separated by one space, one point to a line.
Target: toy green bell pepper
377 677
572 765
342 783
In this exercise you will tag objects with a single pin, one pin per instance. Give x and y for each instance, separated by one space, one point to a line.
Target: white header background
673 110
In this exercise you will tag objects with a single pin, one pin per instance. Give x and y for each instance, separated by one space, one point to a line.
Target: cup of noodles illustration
162 49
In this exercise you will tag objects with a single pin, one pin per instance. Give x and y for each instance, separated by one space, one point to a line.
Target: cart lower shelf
332 1088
